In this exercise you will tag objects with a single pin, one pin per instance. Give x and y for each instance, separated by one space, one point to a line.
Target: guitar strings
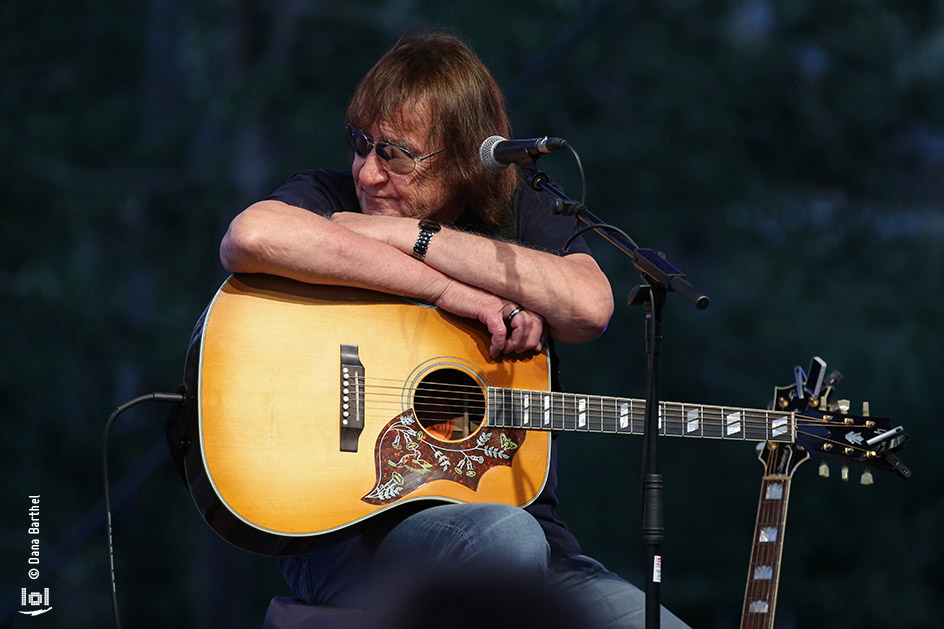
449 389
390 396
396 393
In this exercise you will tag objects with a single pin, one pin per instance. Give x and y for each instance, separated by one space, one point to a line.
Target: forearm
279 239
271 237
570 292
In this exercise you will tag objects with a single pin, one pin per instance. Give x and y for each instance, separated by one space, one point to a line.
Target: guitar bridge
351 412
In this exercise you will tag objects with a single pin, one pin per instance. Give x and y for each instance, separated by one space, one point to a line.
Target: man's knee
512 535
489 534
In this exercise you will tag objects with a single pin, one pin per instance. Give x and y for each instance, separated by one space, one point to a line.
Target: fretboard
760 597
573 412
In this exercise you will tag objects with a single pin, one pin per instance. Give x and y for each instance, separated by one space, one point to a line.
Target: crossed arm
465 274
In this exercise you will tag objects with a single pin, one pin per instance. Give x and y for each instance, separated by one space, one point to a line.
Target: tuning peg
844 406
844 472
866 478
823 469
865 409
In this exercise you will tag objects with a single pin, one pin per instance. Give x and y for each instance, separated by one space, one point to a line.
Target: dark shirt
533 225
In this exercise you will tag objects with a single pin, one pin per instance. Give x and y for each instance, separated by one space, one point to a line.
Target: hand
525 332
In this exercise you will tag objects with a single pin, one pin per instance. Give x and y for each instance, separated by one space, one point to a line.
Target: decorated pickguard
408 457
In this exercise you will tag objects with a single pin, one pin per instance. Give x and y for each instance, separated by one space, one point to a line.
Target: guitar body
288 443
313 408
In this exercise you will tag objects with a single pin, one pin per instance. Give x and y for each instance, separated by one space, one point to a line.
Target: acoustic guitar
317 407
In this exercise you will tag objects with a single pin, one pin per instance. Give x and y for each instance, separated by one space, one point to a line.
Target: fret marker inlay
779 426
768 534
733 423
775 491
693 420
763 573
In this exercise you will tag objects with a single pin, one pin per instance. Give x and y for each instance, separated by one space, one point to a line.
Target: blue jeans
446 551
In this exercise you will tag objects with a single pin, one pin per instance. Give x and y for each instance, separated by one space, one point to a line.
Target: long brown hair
465 104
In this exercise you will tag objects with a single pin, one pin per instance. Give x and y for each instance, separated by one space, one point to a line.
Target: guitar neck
763 579
571 412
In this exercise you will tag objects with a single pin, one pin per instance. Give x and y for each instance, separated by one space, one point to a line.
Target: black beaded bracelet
427 229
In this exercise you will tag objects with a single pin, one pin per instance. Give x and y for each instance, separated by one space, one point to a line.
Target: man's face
420 194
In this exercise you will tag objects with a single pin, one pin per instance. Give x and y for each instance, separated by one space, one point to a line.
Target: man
419 216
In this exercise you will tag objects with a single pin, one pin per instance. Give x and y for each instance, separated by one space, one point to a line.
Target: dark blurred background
787 156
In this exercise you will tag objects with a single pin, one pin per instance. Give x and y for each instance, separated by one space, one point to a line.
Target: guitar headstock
827 430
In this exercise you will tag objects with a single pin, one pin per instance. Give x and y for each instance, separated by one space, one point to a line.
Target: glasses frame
381 148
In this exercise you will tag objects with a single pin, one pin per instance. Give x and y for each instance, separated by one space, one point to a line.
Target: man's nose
373 169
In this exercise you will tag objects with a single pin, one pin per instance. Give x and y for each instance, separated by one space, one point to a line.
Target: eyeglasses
398 159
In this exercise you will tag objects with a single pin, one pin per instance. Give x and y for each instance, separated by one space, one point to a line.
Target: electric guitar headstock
827 430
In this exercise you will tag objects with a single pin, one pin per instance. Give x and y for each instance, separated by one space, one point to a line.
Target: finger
526 334
517 336
499 332
516 325
536 336
536 333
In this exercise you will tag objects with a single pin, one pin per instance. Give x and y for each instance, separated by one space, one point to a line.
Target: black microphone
497 153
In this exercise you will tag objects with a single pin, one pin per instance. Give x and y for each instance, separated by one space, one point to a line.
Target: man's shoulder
319 190
539 226
324 178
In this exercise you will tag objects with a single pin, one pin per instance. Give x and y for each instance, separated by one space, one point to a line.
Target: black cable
583 199
583 177
150 397
587 228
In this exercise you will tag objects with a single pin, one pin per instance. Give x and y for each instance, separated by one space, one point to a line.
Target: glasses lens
357 141
399 159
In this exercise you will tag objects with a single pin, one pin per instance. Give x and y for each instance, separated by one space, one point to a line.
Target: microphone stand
659 278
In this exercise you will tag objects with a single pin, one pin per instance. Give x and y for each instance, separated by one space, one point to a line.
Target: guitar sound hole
449 404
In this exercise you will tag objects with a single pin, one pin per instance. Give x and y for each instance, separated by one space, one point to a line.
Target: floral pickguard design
408 457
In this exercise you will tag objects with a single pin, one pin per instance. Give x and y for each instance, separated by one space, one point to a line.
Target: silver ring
511 315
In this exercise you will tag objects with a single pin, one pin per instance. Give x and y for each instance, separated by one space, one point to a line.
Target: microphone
497 153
